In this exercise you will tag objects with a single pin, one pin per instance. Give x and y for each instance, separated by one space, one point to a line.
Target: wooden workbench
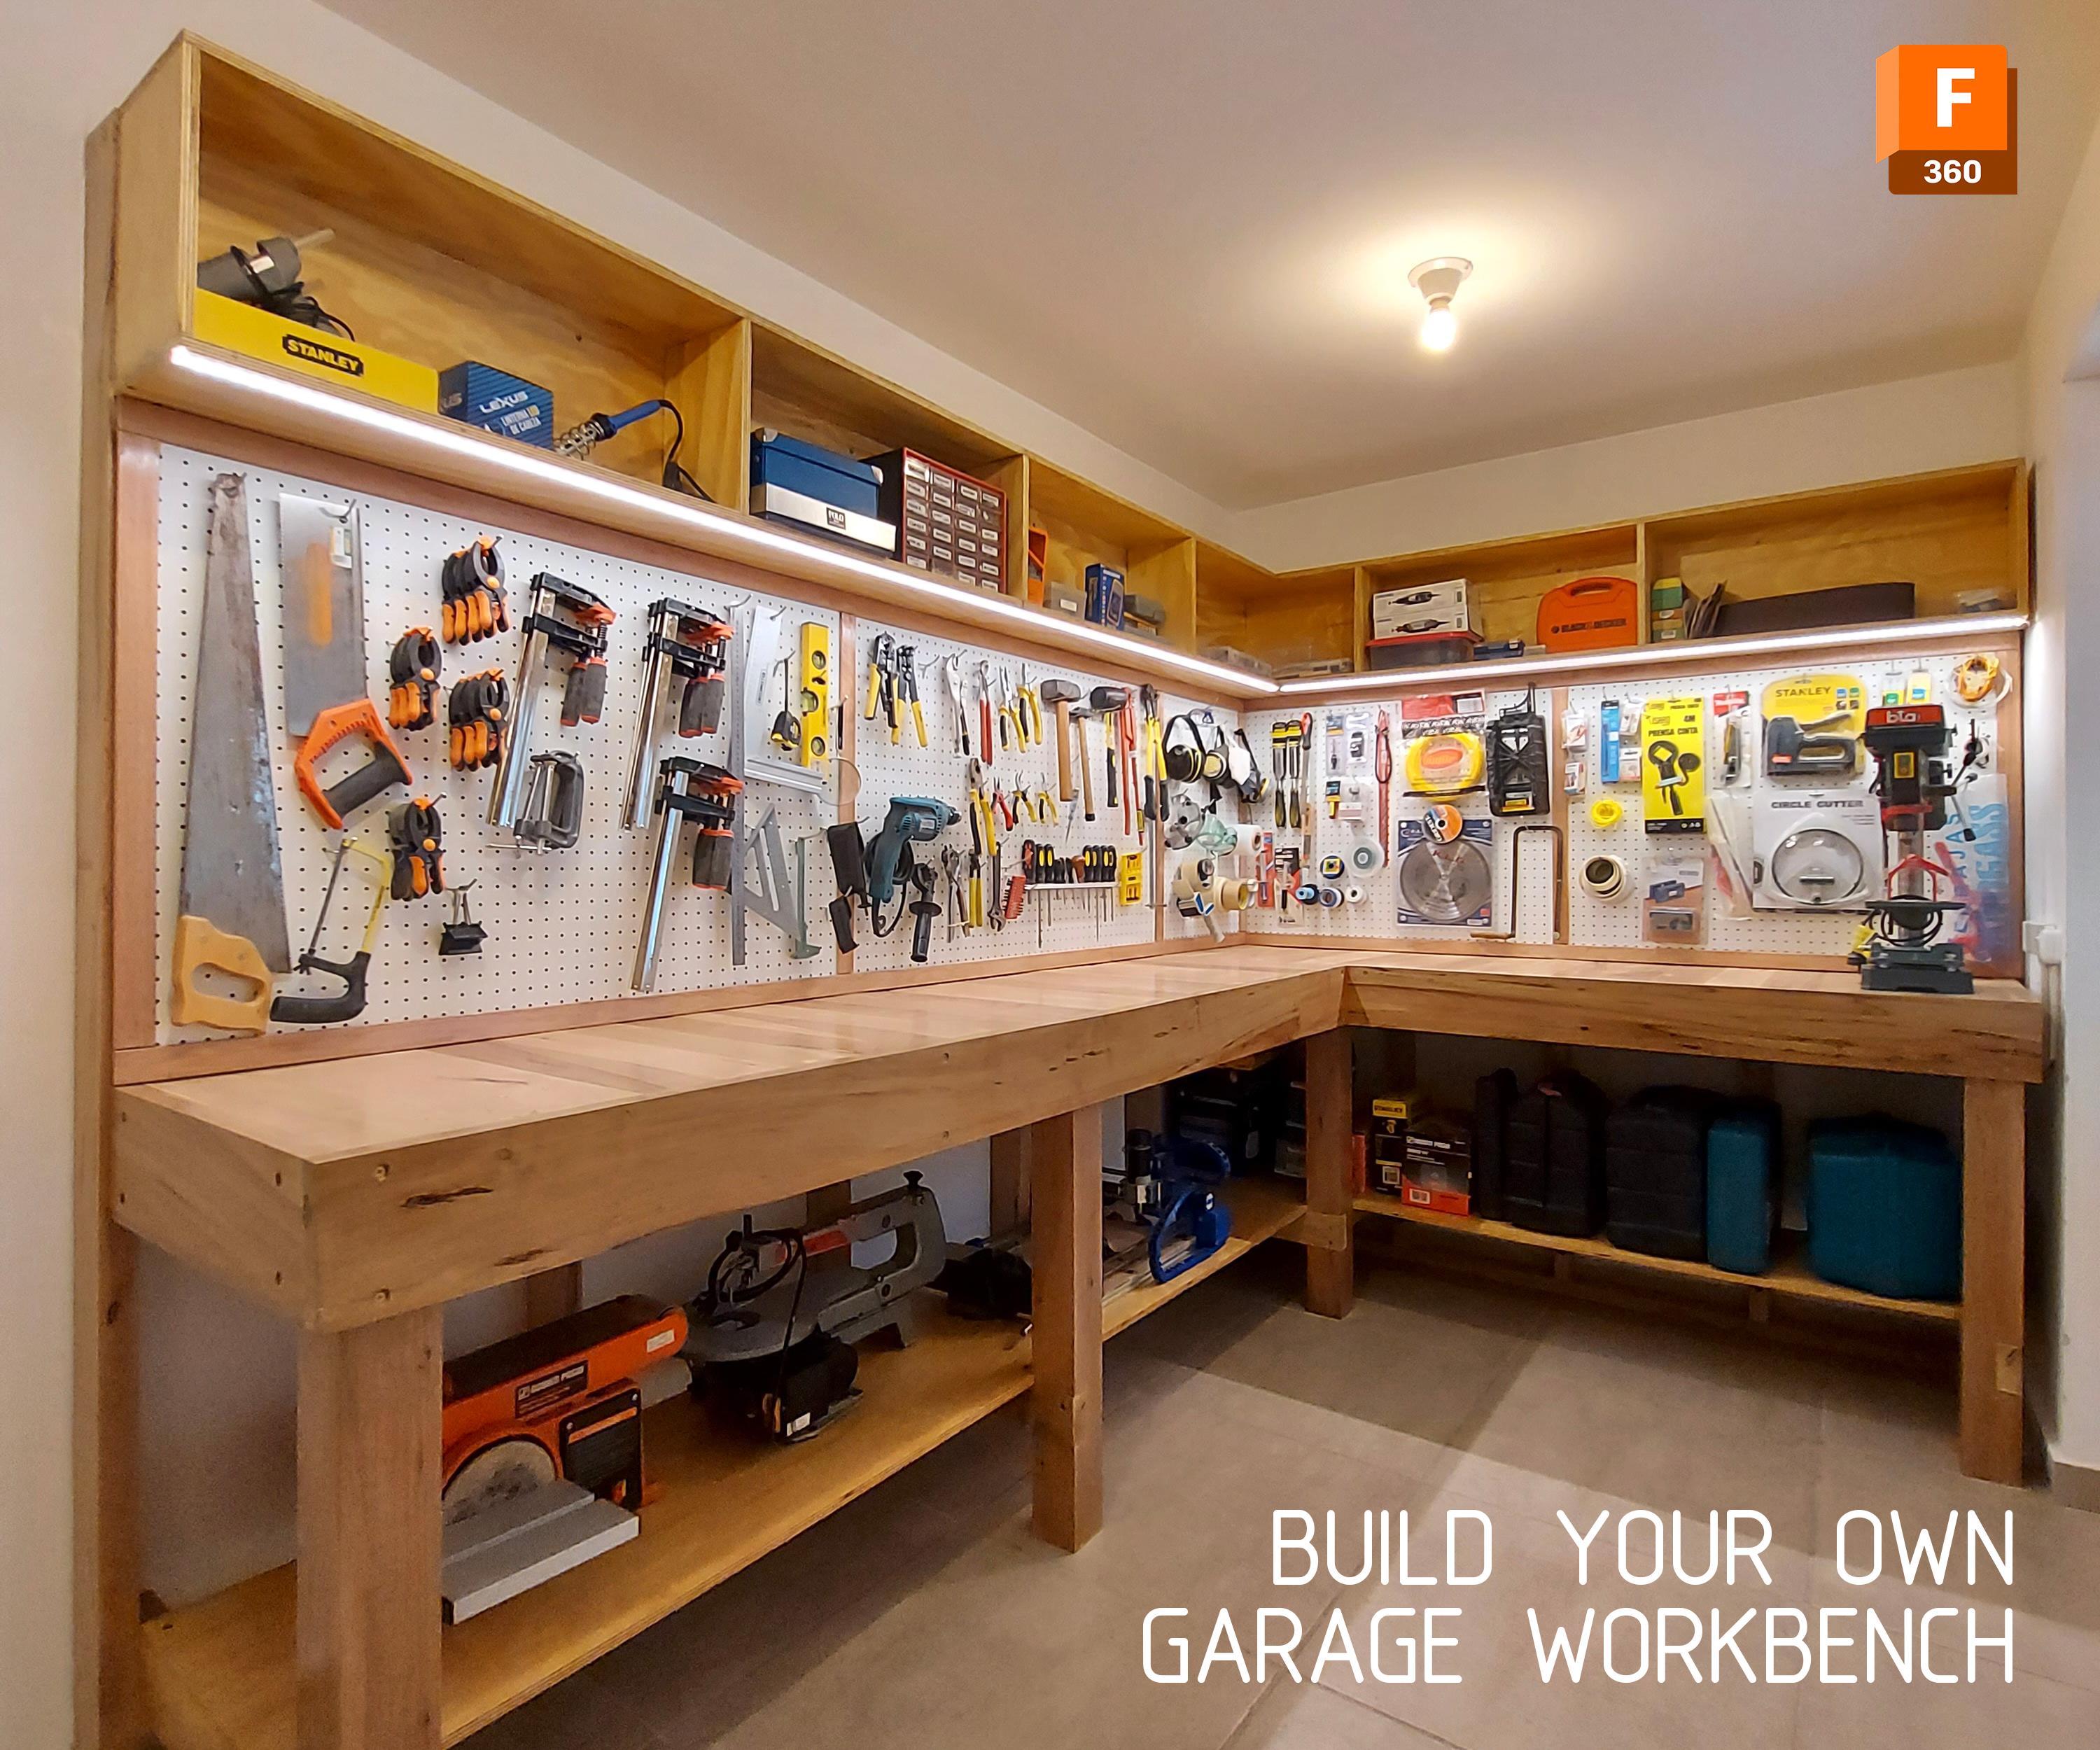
355 1197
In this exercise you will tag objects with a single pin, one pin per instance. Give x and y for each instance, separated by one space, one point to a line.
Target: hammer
1080 715
1059 695
1108 703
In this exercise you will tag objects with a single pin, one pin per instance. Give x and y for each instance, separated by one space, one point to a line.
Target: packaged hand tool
476 713
692 645
296 1009
416 838
475 606
566 617
412 672
230 916
687 790
1517 778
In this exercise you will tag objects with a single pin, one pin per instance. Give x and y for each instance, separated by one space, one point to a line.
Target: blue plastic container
1742 1188
1884 1208
809 469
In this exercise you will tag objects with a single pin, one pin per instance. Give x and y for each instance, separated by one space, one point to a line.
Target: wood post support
1330 1270
1009 1183
552 1294
1993 1275
1064 1154
369 1536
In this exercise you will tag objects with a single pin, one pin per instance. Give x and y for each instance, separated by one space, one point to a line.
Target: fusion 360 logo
1946 119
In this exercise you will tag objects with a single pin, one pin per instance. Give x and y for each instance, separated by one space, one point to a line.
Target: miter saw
772 1333
543 1446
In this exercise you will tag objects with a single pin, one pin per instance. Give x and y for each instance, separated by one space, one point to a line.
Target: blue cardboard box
1104 595
479 394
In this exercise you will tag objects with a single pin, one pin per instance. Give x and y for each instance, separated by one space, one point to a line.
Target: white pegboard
1617 924
562 925
1053 925
1529 883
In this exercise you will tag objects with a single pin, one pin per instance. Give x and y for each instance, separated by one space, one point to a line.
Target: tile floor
923 1617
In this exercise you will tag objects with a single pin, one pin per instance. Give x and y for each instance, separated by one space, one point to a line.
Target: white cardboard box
1421 607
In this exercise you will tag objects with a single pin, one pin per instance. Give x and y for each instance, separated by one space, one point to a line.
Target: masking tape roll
1235 896
1605 876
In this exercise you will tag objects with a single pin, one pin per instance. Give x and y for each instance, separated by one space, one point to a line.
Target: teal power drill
868 873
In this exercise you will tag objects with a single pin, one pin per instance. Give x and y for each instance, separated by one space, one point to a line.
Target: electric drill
868 873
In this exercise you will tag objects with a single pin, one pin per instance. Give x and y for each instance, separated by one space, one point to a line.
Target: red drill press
1915 786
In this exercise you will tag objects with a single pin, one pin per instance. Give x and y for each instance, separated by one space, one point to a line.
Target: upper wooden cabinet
429 261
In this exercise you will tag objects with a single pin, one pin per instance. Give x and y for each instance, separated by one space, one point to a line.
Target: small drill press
1912 781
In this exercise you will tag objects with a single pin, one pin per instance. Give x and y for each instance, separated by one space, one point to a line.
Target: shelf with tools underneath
221 1673
1788 1279
409 264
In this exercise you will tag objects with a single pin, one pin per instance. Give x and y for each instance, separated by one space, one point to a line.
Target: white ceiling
1187 226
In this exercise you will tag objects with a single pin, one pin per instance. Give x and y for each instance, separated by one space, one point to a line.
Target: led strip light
1700 650
1028 622
766 542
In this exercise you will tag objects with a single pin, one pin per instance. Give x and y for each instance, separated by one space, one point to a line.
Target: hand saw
231 915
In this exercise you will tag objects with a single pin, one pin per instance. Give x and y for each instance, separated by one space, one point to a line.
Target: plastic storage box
1553 1164
1742 1188
1655 1172
812 488
1494 1097
1884 1208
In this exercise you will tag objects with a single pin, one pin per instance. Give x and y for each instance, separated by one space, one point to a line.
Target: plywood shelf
220 1673
1789 1276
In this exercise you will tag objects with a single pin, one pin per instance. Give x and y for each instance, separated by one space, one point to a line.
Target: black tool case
1655 1172
1494 1097
1553 1166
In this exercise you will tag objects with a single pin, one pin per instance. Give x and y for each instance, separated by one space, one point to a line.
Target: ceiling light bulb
1438 281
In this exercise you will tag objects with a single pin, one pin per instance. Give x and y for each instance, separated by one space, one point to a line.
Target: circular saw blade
1446 884
502 1470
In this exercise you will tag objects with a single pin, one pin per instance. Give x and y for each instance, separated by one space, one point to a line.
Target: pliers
906 660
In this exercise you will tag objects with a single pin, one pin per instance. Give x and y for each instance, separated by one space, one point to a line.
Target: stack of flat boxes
946 522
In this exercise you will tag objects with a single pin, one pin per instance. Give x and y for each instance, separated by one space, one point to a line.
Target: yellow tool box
243 328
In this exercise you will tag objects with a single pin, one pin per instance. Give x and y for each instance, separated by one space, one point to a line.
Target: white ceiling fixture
1190 233
1438 281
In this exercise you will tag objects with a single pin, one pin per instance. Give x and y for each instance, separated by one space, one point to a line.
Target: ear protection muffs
1183 759
1216 750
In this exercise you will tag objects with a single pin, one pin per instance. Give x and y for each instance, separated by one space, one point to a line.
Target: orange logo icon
1946 119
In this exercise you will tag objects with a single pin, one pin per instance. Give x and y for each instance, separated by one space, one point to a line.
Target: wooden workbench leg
1330 1258
1065 1157
369 1537
1009 1183
552 1294
1993 1278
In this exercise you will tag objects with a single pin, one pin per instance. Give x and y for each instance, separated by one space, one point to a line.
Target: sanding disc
501 1471
1446 884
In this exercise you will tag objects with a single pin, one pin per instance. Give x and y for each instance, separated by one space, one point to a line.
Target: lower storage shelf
1789 1275
221 1674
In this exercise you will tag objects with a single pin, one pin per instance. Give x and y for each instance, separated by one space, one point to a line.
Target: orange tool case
1590 614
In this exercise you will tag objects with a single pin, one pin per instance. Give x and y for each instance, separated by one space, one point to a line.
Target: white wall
2062 364
1905 427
